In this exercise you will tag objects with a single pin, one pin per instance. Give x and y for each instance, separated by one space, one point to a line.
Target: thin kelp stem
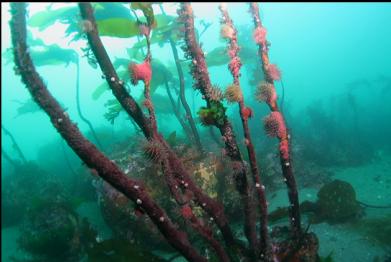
202 82
176 111
271 74
15 144
182 96
82 117
229 31
92 157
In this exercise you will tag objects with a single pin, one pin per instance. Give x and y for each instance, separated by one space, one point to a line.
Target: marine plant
294 245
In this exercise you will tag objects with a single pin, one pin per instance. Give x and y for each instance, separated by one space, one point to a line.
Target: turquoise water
335 93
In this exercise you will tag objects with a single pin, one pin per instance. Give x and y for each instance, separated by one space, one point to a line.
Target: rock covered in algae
337 202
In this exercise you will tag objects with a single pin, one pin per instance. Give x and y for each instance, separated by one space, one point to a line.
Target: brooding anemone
274 125
215 94
266 93
141 72
227 32
273 72
154 150
233 93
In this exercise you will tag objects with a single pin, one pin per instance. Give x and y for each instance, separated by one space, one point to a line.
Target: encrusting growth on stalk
275 123
264 246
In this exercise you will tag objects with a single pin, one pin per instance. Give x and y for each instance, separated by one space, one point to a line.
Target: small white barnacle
257 185
287 164
186 184
136 186
120 82
161 219
112 79
204 204
138 201
65 114
59 120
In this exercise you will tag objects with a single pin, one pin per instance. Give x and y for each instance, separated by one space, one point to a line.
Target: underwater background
335 93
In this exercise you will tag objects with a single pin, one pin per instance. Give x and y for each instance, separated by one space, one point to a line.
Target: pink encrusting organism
234 65
141 72
273 72
260 36
284 149
275 125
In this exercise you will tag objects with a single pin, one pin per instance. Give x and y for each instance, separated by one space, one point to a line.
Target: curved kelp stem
82 117
176 111
92 157
15 144
215 115
230 33
275 123
182 96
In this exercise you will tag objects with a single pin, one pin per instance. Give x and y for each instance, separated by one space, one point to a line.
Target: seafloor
343 241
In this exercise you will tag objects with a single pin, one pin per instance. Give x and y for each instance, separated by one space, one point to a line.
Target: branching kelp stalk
14 144
93 158
82 117
230 33
212 207
182 96
215 114
275 123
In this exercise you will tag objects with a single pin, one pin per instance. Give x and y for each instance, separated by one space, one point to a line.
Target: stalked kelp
190 199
